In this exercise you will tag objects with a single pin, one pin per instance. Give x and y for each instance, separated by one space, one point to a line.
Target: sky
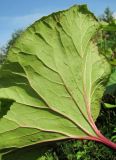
18 14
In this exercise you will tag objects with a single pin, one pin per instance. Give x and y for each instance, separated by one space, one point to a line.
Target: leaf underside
54 77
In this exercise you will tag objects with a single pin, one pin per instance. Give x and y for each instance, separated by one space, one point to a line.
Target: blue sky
18 14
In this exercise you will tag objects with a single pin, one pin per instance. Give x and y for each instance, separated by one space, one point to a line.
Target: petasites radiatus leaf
54 77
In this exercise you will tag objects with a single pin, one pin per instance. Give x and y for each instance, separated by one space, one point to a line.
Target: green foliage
48 75
107 46
31 153
107 36
113 138
2 58
109 98
106 43
4 49
86 150
107 105
107 16
89 150
14 37
2 54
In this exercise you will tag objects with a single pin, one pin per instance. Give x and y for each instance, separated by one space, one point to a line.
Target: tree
107 16
2 54
107 42
14 36
4 49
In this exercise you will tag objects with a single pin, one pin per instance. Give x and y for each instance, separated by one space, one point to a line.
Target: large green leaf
54 76
111 91
112 79
111 86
